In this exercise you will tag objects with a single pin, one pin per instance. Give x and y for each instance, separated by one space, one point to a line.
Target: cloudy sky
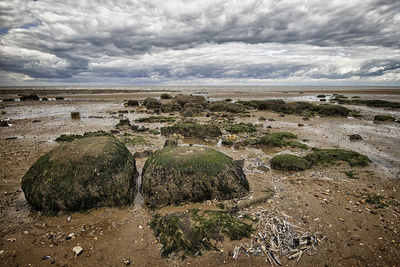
160 42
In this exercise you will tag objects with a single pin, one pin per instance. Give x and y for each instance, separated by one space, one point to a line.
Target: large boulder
82 174
177 174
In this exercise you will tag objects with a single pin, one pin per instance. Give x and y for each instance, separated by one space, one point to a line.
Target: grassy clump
224 106
332 156
297 144
123 122
226 142
299 107
187 234
368 102
350 174
288 162
241 128
137 140
376 200
71 137
196 130
154 119
384 118
277 139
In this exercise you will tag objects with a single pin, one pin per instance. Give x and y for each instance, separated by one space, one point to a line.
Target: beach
322 199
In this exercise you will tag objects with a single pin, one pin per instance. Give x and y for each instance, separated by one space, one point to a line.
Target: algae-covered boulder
178 174
82 174
190 129
384 118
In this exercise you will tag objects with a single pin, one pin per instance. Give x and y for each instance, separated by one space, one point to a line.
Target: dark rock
82 174
4 123
171 142
355 137
262 118
29 97
132 103
75 115
177 174
8 99
59 98
45 99
384 118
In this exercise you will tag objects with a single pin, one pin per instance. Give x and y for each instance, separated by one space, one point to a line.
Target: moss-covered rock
288 162
192 109
196 130
332 156
241 128
384 118
82 174
151 103
278 139
177 174
165 96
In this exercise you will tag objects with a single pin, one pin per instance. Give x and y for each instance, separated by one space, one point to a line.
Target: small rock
26 232
341 219
127 262
45 258
1 252
69 219
71 236
12 239
77 250
140 227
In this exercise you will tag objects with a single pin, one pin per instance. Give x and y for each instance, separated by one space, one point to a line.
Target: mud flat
353 210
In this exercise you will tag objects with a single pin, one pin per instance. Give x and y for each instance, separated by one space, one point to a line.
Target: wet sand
319 200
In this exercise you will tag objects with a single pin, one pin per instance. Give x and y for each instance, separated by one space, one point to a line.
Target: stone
77 250
177 174
85 173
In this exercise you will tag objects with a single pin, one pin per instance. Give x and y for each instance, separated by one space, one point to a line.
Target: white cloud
198 41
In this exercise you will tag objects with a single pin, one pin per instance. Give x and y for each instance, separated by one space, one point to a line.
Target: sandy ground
320 200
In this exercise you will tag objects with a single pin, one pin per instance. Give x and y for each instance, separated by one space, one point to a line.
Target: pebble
127 262
26 232
45 258
77 250
140 227
12 239
341 219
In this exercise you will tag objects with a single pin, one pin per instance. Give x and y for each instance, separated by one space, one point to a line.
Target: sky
205 42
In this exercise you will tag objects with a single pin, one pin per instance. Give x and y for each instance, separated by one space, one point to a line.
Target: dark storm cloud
194 40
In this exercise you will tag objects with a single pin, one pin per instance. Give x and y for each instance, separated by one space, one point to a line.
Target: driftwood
275 237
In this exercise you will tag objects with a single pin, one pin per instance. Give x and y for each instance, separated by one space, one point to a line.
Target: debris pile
277 236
